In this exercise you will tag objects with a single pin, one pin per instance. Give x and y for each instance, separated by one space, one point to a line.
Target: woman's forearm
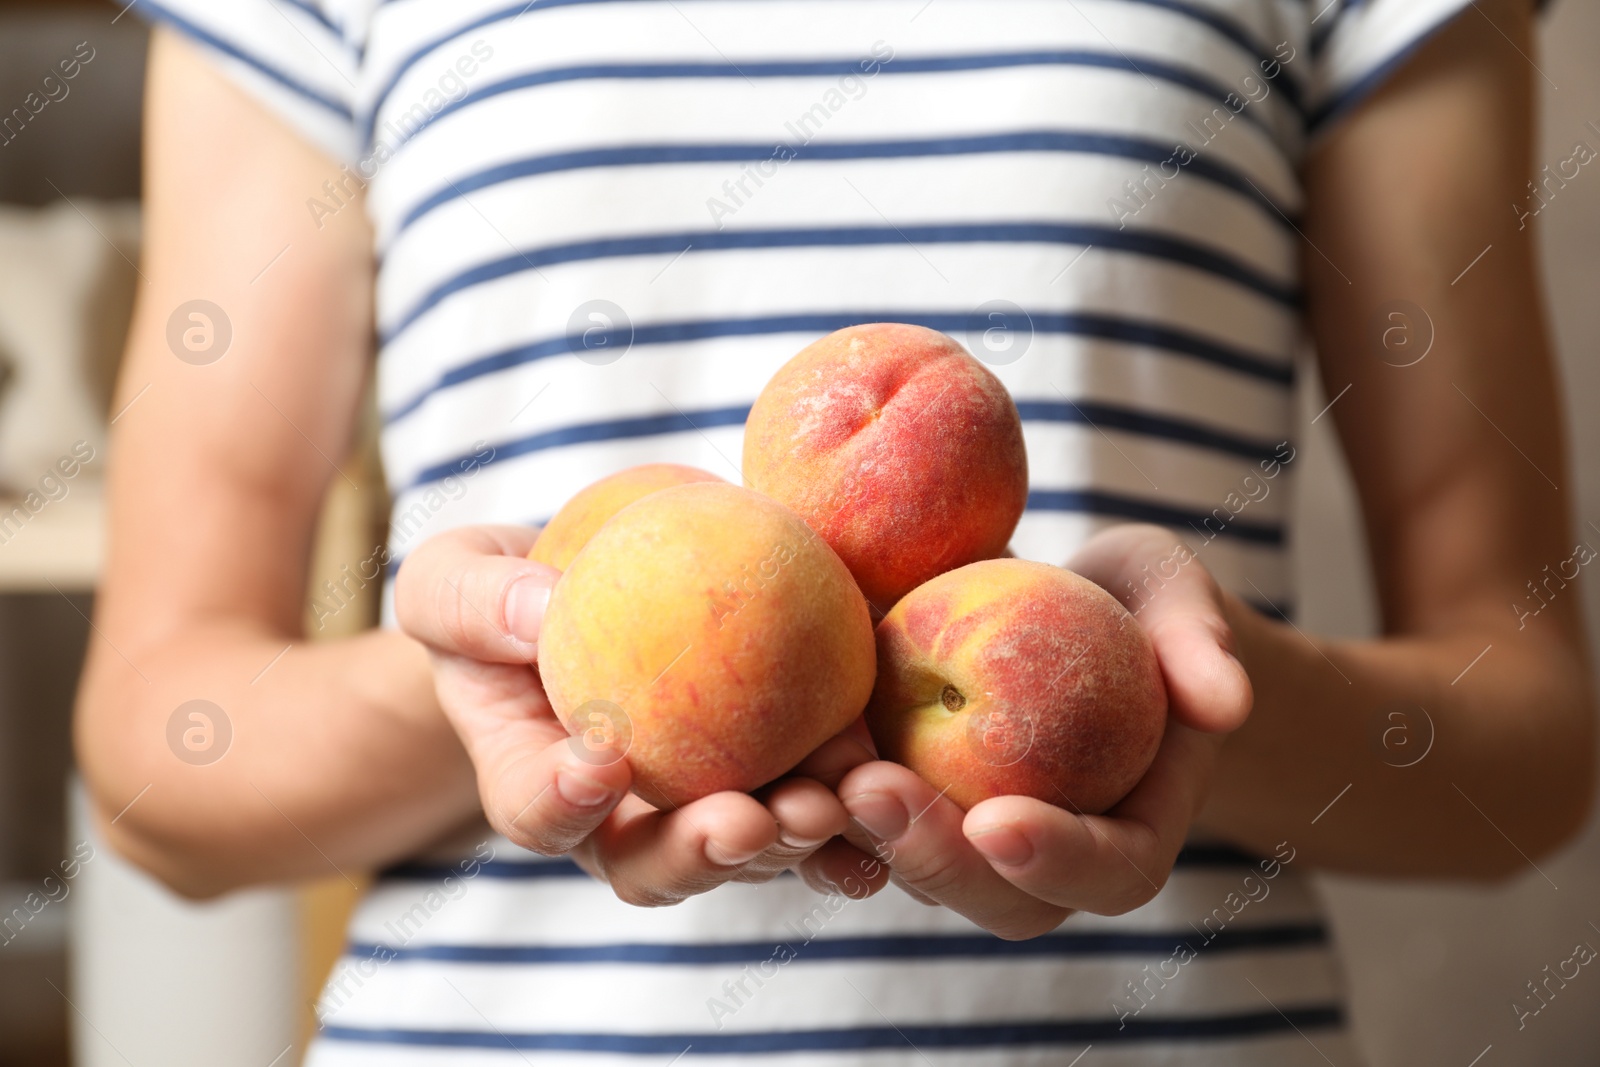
1409 756
311 760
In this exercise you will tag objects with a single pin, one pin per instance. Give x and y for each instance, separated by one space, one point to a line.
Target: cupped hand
1017 866
473 599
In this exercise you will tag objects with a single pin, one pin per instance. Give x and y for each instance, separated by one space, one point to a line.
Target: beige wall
1434 971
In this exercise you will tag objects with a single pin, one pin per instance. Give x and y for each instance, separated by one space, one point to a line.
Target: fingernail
726 857
581 791
789 839
1003 845
525 603
879 814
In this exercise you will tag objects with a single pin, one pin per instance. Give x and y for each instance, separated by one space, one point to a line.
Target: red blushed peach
1008 677
898 447
564 536
711 634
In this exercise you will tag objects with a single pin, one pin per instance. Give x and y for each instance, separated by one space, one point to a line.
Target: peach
713 633
898 447
571 527
1011 677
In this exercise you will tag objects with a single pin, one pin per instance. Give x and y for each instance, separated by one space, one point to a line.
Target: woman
598 228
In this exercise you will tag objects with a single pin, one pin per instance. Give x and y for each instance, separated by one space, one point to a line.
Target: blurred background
100 966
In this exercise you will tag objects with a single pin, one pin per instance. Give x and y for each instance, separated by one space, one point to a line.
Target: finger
653 858
807 808
543 790
1106 864
470 591
1207 688
540 788
840 867
1160 579
917 831
483 699
837 756
808 814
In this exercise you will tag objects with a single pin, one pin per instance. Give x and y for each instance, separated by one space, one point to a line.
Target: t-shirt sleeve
1357 44
298 57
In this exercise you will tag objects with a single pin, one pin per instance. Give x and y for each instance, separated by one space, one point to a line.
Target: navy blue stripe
824 949
1136 242
1283 610
1101 327
416 55
1239 35
1218 23
1321 33
1366 85
316 13
1190 857
211 40
1099 144
1096 502
994 1035
1216 855
806 68
590 433
587 433
438 872
816 67
1129 420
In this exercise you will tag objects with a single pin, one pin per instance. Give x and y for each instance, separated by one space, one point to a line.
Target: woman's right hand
476 602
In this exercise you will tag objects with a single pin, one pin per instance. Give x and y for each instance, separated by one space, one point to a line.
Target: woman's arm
1458 459
339 758
1460 464
344 755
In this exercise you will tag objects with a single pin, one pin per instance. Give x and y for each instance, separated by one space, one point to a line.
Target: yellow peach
571 527
1011 677
716 631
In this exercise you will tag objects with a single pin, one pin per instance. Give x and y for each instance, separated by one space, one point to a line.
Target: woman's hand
1018 866
474 599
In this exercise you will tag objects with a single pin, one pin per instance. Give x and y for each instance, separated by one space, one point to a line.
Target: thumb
471 592
1161 581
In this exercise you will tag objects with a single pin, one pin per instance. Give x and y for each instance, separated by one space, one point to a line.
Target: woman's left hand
1017 866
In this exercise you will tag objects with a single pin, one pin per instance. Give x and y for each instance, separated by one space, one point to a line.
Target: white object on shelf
158 979
59 547
67 279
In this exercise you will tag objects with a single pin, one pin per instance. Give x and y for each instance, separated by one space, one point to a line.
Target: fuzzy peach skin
898 447
1012 677
571 527
731 637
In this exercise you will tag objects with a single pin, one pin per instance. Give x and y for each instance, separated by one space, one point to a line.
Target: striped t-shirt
602 225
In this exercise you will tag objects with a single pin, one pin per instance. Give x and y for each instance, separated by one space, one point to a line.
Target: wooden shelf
60 548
